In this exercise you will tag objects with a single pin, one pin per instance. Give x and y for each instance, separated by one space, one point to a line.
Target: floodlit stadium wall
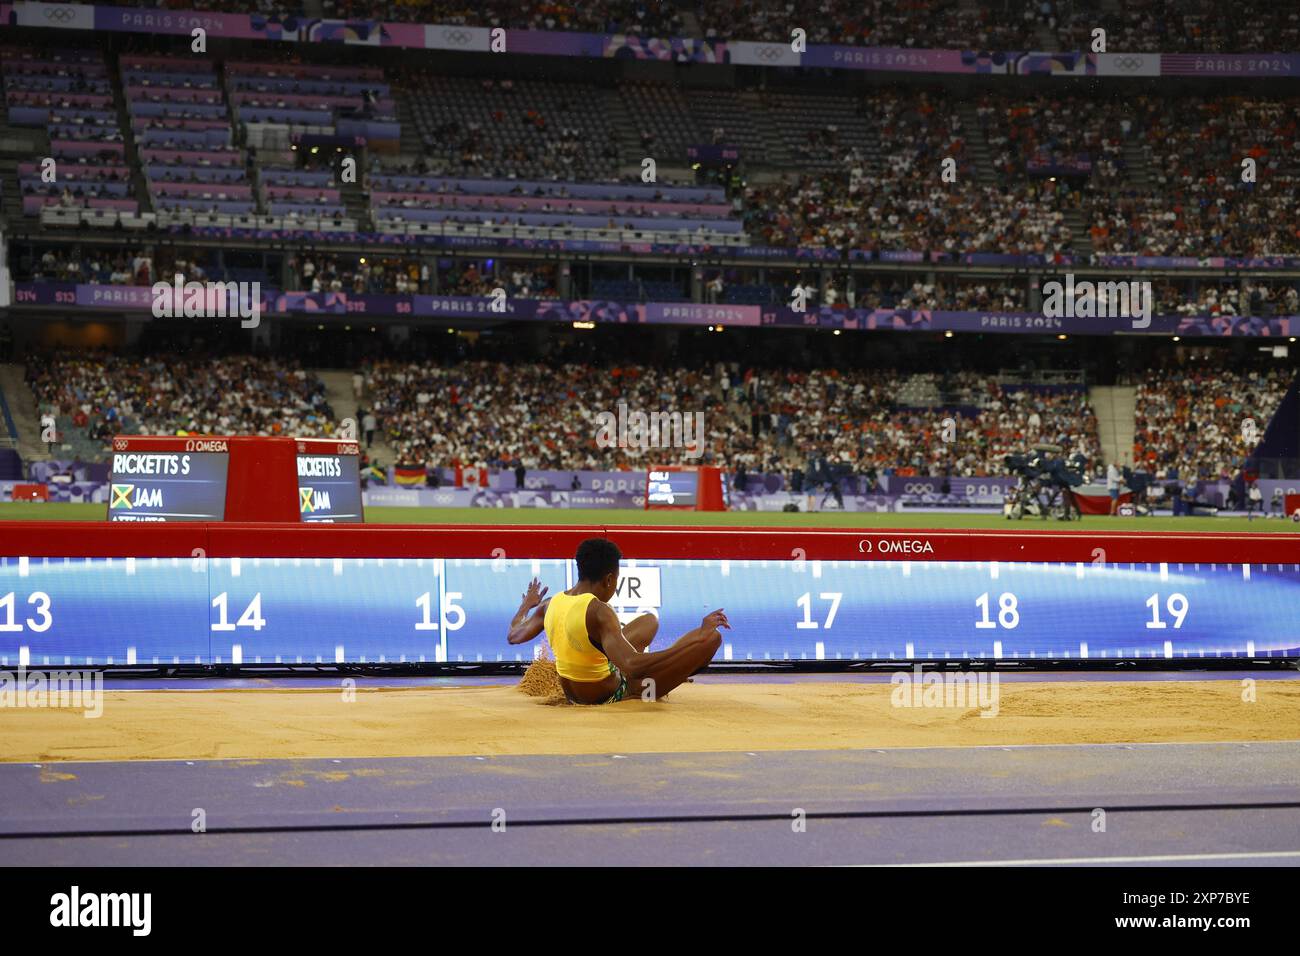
262 594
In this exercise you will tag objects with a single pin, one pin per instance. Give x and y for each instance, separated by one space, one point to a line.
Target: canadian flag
471 477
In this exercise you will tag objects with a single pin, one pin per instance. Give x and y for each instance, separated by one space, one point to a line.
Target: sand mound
542 680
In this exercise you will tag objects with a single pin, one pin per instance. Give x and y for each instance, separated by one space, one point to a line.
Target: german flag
408 476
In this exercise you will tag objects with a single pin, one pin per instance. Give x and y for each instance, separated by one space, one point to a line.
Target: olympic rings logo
59 14
917 489
1128 62
456 36
119 444
770 53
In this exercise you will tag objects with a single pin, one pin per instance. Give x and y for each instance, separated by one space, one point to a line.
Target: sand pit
700 717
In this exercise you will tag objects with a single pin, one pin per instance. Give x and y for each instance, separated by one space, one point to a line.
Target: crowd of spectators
1044 135
819 423
1227 298
395 275
1184 26
1052 156
905 203
391 275
964 296
834 423
102 394
948 24
103 267
1191 420
1194 421
1200 201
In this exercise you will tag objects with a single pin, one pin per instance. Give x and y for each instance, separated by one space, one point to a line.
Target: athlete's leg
686 657
641 631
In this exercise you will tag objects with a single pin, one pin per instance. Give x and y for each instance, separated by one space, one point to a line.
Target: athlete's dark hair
596 558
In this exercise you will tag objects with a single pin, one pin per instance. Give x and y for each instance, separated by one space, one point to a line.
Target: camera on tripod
1139 483
1046 484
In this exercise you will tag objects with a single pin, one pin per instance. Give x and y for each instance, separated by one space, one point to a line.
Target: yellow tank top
566 629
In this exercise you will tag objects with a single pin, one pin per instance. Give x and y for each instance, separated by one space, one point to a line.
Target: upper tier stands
1176 26
503 128
182 128
68 93
1040 173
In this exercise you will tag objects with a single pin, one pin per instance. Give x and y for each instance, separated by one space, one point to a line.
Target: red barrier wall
230 539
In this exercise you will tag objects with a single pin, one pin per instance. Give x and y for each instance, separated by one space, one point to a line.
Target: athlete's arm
604 631
523 627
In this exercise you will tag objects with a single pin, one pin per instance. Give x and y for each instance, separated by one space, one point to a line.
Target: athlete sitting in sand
598 660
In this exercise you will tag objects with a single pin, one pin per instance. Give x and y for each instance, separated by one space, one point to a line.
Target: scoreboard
672 488
694 488
187 483
223 594
199 479
329 480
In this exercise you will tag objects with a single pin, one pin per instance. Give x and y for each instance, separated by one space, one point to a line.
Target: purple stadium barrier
209 191
310 193
78 172
73 147
157 94
110 188
557 220
32 204
297 177
259 114
511 204
227 207
618 192
197 157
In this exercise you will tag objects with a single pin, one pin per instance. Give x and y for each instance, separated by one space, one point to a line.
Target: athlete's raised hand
714 620
534 595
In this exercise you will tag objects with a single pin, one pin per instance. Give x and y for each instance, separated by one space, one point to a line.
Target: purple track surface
1165 804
